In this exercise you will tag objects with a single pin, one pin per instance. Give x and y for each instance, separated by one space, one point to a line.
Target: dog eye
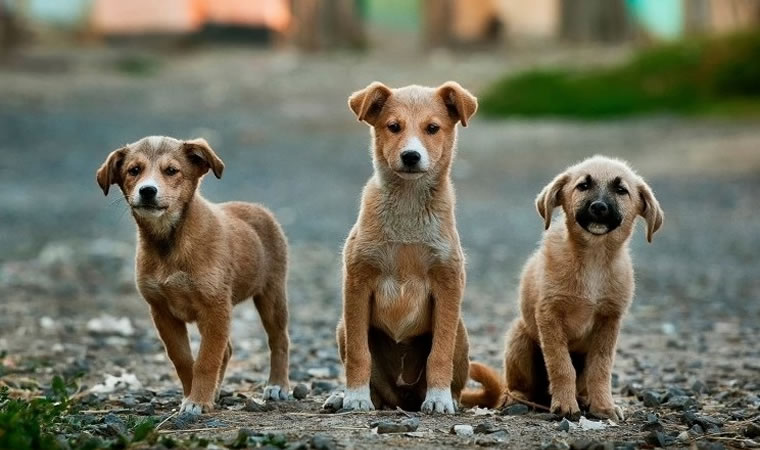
394 127
620 190
134 171
170 171
583 186
433 128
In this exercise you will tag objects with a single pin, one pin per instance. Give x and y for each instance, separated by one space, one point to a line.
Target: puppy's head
414 127
158 175
601 197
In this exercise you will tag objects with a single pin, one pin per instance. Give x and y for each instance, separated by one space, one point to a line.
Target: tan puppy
401 337
574 292
196 260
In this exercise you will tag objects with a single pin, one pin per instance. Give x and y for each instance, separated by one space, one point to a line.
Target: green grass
709 76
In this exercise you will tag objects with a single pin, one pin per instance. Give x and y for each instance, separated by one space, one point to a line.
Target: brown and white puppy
196 260
574 292
401 337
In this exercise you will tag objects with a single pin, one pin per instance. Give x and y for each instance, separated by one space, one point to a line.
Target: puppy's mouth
149 209
410 174
598 226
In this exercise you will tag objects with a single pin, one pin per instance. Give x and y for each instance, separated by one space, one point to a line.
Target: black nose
599 209
148 192
410 158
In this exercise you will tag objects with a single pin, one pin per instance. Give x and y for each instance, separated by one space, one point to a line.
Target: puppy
197 259
401 337
574 292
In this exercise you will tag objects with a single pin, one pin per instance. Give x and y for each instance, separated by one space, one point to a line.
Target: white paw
190 407
275 393
358 399
438 401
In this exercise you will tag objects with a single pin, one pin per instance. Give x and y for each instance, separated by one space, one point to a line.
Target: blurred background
673 86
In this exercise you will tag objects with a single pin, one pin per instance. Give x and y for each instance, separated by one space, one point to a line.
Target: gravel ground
688 365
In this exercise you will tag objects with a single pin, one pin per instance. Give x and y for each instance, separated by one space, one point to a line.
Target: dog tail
491 394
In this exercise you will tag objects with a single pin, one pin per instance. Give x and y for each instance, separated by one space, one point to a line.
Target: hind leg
223 370
273 309
520 364
461 362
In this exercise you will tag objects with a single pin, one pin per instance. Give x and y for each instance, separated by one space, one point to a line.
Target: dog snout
148 193
410 158
599 209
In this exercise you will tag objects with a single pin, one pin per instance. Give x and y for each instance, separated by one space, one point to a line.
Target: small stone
300 391
114 425
555 444
684 437
680 403
650 399
322 442
334 402
232 400
752 430
492 439
252 405
655 438
517 409
564 425
652 423
462 430
393 426
145 409
696 430
486 428
699 387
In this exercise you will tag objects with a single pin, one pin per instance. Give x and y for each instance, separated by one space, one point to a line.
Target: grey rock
145 409
752 430
680 403
322 442
396 426
252 405
650 399
656 439
518 409
486 428
300 391
699 387
114 426
555 444
462 430
564 425
492 439
652 424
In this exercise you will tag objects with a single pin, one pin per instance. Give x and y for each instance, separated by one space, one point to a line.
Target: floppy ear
550 198
650 210
200 153
458 100
368 102
109 172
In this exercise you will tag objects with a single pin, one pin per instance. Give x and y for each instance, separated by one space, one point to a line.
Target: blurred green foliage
706 76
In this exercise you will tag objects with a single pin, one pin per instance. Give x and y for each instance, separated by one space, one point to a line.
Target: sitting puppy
196 260
574 292
401 337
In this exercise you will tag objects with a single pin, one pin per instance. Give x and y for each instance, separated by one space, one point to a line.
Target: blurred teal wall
66 13
661 18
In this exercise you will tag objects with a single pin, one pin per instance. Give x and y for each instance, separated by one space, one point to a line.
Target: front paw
438 401
276 392
607 410
358 399
565 405
195 408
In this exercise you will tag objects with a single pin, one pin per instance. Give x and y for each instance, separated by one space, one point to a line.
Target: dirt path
281 124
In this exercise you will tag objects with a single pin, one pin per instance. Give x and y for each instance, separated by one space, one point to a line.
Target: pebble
146 409
396 426
492 439
486 428
699 387
252 405
555 444
656 438
462 430
518 409
680 403
114 426
564 425
300 391
651 399
322 442
652 423
684 437
752 431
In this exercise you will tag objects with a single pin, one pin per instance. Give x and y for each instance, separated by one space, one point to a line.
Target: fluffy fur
401 337
196 260
574 292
